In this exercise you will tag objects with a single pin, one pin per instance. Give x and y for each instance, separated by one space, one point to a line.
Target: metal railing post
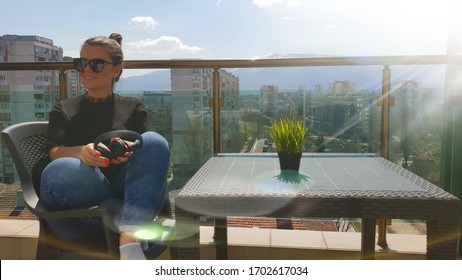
220 224
385 129
216 111
384 143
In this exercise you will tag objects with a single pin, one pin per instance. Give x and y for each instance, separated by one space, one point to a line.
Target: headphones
117 147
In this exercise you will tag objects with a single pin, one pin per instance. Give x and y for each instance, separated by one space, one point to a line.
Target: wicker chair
27 144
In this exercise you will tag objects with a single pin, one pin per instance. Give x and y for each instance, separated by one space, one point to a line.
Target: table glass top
253 185
319 173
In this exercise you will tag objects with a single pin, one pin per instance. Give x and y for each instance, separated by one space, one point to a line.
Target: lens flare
152 233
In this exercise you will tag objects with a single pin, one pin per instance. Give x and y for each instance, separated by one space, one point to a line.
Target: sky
218 29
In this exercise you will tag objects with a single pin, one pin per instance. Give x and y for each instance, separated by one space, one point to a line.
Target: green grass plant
288 134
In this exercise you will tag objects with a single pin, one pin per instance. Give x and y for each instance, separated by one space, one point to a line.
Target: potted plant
289 136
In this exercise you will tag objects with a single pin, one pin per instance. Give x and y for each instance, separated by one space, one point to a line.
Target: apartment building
342 88
192 90
26 95
339 114
74 86
269 99
159 107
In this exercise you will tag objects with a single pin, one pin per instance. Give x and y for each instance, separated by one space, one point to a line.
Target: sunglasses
96 65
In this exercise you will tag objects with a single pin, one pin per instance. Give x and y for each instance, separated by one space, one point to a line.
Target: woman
79 176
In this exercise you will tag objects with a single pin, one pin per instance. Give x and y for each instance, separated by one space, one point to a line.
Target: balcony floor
18 240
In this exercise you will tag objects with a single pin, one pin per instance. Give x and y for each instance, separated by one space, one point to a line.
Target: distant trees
197 144
415 141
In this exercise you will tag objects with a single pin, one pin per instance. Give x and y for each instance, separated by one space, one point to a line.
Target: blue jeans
136 193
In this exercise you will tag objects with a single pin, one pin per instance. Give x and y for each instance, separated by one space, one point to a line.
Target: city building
408 100
26 95
269 99
339 115
74 86
417 115
159 107
341 88
16 48
192 90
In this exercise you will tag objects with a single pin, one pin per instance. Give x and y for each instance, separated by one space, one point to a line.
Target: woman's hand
127 155
89 153
119 160
85 153
92 157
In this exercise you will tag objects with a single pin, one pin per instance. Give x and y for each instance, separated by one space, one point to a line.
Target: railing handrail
253 63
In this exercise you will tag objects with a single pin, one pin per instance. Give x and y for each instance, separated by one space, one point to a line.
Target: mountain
156 80
364 77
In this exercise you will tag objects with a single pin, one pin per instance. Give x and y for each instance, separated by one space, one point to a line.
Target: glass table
362 186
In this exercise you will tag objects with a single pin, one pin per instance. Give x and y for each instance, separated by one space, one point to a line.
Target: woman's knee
69 181
53 176
59 169
156 142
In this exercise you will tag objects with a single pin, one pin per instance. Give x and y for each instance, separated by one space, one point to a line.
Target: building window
4 88
38 96
40 116
5 117
8 170
4 98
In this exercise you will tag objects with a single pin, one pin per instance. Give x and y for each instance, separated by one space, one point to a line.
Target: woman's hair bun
117 37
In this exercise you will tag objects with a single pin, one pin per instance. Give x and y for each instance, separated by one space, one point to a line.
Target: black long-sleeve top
78 121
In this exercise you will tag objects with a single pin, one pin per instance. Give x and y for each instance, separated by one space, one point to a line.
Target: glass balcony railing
391 106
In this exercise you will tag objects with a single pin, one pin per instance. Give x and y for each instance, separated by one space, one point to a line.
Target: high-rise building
408 101
192 89
269 100
159 107
341 88
339 114
16 48
74 86
26 95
